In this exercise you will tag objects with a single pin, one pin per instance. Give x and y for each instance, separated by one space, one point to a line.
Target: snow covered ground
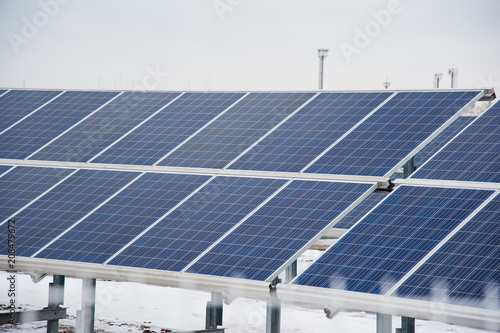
133 307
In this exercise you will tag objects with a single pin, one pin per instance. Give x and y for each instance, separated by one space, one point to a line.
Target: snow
132 307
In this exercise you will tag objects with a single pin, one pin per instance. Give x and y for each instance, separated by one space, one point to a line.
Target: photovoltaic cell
23 184
379 250
277 231
443 138
309 132
183 235
162 133
360 210
466 270
104 127
379 144
474 155
16 104
63 206
125 216
53 119
236 130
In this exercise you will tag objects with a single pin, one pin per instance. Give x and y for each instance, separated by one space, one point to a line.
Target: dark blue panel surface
18 103
390 134
159 135
360 210
309 132
104 127
236 130
23 184
183 235
63 206
466 270
277 231
474 155
443 138
48 122
388 242
125 216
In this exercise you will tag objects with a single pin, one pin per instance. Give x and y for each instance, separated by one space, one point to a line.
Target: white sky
246 44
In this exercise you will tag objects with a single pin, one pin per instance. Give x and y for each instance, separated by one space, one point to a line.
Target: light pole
453 74
437 78
322 53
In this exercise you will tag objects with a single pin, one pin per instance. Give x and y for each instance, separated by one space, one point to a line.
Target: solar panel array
247 226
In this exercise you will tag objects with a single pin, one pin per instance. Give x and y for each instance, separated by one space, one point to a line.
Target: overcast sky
247 44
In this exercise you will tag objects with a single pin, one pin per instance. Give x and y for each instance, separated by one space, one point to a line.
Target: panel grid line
41 195
440 244
135 127
29 114
347 133
88 214
73 126
199 130
271 130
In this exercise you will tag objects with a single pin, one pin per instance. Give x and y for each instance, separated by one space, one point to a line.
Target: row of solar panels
368 134
228 226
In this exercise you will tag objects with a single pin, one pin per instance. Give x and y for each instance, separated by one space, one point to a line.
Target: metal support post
291 272
407 325
273 312
409 168
85 317
56 299
214 311
384 323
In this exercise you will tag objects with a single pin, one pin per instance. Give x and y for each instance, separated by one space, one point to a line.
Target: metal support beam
384 323
409 167
407 325
291 271
33 315
214 311
273 312
85 317
56 299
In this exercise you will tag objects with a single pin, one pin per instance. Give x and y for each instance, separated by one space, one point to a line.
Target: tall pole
322 53
453 74
437 78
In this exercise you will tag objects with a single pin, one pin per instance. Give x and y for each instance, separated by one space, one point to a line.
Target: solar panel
474 155
443 138
380 143
64 205
466 269
360 210
236 130
104 127
279 230
23 184
310 131
54 118
397 234
167 129
127 214
17 104
197 223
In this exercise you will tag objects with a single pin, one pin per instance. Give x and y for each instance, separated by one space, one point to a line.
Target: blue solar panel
443 138
105 126
178 239
117 222
16 104
162 133
53 119
397 234
360 210
277 231
473 156
236 130
23 184
310 131
390 134
466 270
64 205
